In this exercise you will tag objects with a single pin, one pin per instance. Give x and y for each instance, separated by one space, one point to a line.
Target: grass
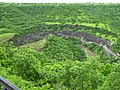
51 23
88 53
100 25
36 45
108 37
6 36
2 29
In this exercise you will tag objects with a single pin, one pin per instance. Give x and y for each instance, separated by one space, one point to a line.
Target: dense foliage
58 63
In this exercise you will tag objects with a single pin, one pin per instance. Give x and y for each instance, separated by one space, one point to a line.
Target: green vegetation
116 46
54 62
6 36
35 45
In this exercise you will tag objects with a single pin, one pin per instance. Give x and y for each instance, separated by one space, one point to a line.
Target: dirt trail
88 52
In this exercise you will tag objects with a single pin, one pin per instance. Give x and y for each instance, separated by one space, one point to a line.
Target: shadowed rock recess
84 37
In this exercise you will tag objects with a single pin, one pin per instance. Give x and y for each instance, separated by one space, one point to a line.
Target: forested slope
34 57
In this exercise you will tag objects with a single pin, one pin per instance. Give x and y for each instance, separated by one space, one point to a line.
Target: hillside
60 46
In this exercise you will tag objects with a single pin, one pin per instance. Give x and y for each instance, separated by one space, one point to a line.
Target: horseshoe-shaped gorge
83 36
53 46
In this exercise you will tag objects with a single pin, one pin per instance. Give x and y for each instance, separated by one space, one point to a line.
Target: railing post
7 85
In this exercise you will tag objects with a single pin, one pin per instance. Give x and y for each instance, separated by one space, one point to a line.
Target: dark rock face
35 36
86 36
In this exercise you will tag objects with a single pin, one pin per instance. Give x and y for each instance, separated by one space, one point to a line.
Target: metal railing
7 85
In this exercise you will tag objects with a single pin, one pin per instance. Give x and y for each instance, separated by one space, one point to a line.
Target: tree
26 64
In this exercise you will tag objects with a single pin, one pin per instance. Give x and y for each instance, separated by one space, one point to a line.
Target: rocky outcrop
84 37
64 33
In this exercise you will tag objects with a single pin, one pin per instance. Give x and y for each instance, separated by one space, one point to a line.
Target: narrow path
88 52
